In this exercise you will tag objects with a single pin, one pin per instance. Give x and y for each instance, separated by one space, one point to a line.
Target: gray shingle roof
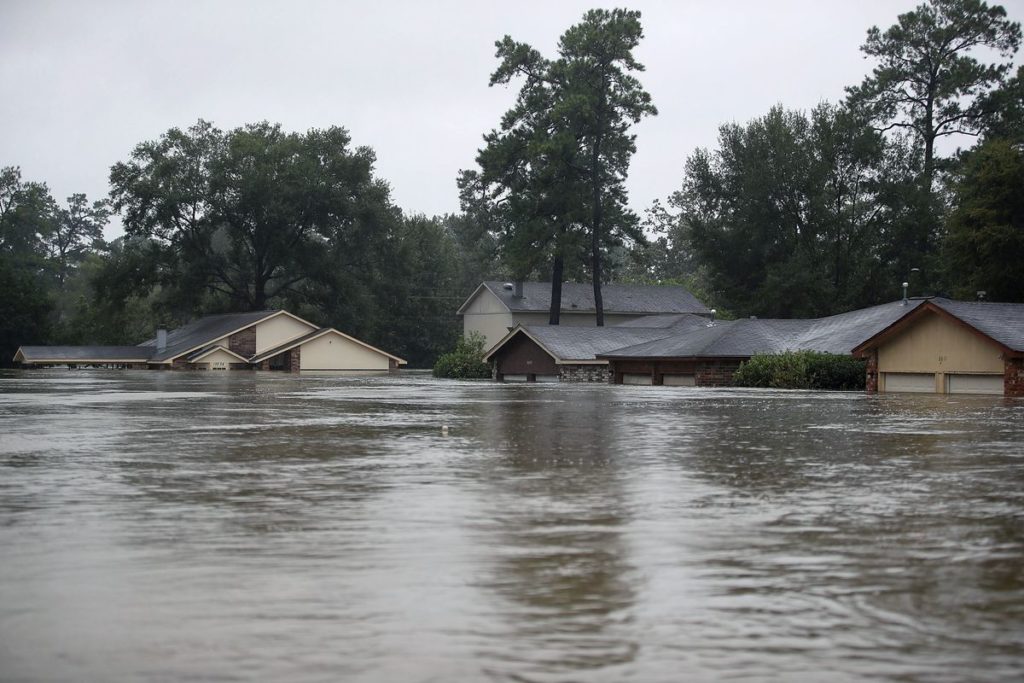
617 298
71 354
1002 322
747 337
203 331
676 321
566 342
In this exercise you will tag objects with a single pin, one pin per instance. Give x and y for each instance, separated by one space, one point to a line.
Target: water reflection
554 517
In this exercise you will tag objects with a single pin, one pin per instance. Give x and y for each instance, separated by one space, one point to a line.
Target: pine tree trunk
556 289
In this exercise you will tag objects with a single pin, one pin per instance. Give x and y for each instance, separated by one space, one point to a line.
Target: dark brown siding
521 356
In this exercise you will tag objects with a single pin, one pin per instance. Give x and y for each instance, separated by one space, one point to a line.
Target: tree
602 99
252 213
27 213
75 229
984 248
927 79
785 215
558 164
26 219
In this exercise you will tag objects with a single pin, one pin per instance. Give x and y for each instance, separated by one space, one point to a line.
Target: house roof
746 337
291 344
571 343
83 354
675 321
579 298
1001 322
200 333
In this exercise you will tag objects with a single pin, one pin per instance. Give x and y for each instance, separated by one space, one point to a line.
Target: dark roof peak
579 298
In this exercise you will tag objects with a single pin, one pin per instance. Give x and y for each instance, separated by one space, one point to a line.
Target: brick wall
871 382
585 373
179 364
244 343
1013 377
716 373
295 359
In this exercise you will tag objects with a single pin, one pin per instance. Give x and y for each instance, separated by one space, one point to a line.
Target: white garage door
679 380
912 382
636 379
975 384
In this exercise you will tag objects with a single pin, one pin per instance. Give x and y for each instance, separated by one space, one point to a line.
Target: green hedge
466 361
802 370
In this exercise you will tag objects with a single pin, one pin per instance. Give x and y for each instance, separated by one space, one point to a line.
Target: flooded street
244 526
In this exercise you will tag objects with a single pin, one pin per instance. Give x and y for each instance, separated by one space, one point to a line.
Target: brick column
1013 377
295 358
871 380
243 343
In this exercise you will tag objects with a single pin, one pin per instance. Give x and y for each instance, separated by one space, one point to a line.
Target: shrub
802 370
466 361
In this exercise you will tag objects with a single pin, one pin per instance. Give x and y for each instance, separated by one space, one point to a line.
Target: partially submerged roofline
897 326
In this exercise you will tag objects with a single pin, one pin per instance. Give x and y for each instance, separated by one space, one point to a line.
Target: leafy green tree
984 247
252 213
76 229
558 164
928 79
784 217
27 215
26 219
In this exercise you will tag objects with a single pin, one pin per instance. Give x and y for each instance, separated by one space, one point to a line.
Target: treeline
813 213
246 219
792 214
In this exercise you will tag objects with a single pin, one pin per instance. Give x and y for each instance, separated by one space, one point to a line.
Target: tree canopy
928 78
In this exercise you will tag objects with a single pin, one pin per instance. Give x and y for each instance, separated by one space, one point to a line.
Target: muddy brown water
175 526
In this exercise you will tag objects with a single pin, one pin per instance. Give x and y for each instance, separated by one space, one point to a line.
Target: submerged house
710 356
949 347
265 340
494 308
924 345
552 353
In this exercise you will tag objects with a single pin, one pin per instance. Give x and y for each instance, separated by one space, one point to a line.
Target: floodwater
240 526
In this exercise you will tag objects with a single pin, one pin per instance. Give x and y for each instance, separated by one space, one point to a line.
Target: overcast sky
82 82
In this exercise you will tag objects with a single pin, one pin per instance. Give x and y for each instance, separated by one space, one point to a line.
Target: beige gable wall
278 330
939 345
334 352
217 357
493 326
486 302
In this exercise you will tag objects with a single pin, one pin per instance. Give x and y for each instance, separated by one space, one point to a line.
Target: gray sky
83 82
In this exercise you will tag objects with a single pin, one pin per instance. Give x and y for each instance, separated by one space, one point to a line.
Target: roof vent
509 286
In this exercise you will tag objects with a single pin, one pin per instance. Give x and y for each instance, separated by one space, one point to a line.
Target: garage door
636 379
679 380
975 384
913 382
